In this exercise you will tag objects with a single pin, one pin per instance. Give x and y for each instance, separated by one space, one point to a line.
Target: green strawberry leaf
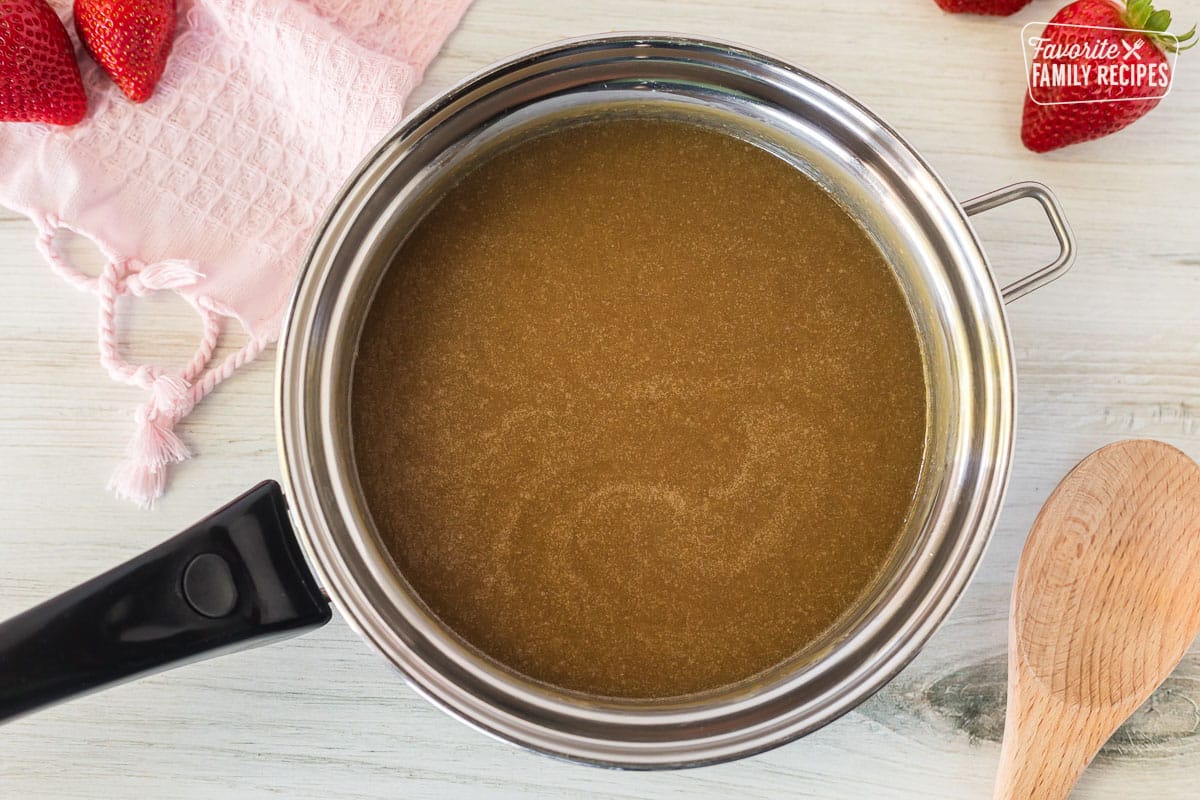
1189 37
1141 15
1137 12
1158 21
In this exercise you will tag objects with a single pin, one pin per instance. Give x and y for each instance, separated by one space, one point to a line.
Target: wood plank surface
1110 351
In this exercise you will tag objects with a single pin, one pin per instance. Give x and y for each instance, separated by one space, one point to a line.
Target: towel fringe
141 477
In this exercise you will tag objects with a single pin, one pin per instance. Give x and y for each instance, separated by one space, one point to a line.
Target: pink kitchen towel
211 188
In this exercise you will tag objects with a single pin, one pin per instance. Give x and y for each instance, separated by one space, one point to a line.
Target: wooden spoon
1106 603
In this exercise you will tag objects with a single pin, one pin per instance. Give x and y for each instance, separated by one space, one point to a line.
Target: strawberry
998 8
39 79
130 39
1048 127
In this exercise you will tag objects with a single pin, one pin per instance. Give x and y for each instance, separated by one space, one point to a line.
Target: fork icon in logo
1132 48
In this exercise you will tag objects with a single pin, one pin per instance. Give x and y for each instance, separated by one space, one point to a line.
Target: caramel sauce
639 409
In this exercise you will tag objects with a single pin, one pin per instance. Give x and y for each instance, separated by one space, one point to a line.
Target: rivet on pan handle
1058 222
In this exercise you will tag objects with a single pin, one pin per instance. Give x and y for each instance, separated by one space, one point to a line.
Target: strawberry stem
1141 15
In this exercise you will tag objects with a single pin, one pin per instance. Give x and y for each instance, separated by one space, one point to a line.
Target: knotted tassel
142 476
162 275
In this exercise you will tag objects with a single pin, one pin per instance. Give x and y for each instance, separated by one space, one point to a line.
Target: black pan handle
234 579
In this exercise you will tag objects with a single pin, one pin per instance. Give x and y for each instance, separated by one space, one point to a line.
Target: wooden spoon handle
1043 755
1049 741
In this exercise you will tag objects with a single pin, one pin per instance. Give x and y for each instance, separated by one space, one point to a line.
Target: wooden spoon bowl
1106 603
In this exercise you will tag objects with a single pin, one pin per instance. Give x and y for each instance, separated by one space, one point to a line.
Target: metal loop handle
1058 222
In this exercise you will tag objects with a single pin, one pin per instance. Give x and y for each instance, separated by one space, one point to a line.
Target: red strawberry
130 39
39 79
1048 127
999 8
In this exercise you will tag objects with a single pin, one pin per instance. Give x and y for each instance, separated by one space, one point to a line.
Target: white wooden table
1110 351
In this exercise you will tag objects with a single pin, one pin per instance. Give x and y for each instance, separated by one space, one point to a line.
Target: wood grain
1110 351
1105 604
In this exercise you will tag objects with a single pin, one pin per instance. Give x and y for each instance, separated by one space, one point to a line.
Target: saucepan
274 561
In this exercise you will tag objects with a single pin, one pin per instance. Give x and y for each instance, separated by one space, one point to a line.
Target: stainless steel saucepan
258 568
